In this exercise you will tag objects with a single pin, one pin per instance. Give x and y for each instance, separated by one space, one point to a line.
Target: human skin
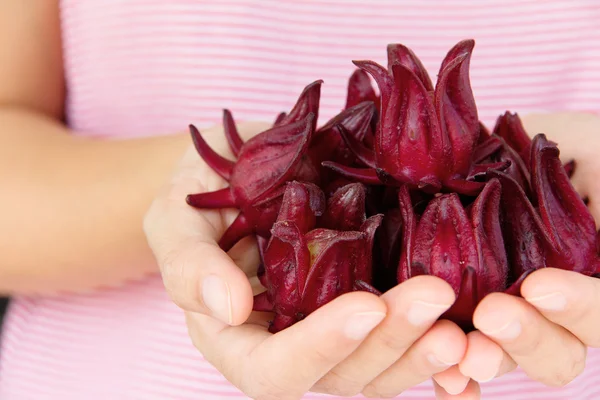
71 207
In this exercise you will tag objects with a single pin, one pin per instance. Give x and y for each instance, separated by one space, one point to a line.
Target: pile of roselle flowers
402 182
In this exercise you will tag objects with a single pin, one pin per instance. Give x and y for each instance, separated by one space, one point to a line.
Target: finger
452 380
200 277
471 392
440 348
413 307
287 364
197 274
568 299
484 359
545 351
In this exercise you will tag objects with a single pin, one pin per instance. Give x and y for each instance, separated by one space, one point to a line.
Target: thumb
197 274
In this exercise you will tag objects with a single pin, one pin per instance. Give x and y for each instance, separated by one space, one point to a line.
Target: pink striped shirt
146 67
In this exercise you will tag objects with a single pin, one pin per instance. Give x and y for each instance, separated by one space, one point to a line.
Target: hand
548 331
357 343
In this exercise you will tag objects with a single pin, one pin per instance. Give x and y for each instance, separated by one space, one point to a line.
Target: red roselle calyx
264 164
399 183
463 247
307 267
559 230
426 136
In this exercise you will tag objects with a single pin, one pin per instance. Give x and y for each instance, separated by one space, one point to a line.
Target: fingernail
217 298
421 312
456 388
508 331
485 373
485 379
436 361
360 325
555 301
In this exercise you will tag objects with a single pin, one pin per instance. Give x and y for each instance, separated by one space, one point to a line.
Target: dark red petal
334 256
409 228
525 238
382 78
327 144
222 198
356 119
492 269
287 264
262 302
388 247
456 107
238 229
307 170
363 270
400 54
510 128
566 218
466 301
364 154
484 133
262 243
365 175
517 169
480 170
302 203
429 184
219 164
462 186
231 133
444 243
270 158
409 145
262 214
280 117
570 168
459 49
496 149
365 287
360 89
282 322
486 149
515 288
345 208
307 103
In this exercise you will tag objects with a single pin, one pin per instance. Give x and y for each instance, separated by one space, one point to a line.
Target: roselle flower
307 267
464 247
510 128
328 145
555 229
307 103
494 150
358 118
426 136
256 180
360 90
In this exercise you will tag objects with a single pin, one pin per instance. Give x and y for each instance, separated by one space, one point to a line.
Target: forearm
72 208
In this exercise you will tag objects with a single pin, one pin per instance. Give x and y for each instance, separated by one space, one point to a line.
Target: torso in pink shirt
147 67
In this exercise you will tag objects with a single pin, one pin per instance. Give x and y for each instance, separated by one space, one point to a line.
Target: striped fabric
148 67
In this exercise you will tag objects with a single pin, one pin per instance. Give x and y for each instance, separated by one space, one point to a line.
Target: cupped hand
358 343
